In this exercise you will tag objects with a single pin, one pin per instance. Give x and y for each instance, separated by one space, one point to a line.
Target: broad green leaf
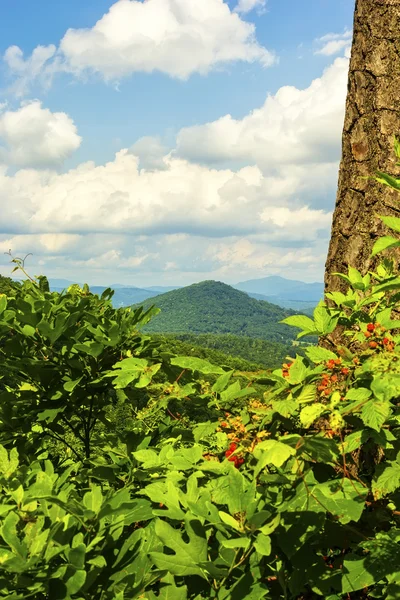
319 355
222 382
384 243
10 536
94 349
323 321
375 413
229 520
187 555
263 544
76 582
8 466
318 448
69 386
272 452
386 480
310 413
93 500
298 371
236 543
391 222
307 394
301 321
343 498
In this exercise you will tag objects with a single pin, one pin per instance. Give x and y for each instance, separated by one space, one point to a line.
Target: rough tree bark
372 119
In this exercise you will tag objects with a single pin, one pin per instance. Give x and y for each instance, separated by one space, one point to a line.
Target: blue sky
137 142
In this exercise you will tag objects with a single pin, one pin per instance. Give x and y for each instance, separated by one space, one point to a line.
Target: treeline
237 352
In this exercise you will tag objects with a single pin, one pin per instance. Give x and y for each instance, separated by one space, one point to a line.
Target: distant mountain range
287 293
215 307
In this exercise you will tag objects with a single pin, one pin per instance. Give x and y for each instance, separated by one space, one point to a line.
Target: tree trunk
372 119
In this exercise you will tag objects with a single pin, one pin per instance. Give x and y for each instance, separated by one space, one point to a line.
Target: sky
166 142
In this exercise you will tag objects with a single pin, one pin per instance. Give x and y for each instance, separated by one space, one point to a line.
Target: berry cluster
375 331
237 460
329 380
233 427
285 370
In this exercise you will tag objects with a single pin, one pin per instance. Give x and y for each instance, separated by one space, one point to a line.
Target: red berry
385 340
373 344
370 327
233 446
345 371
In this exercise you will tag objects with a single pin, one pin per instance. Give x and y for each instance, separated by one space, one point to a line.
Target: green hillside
214 307
238 352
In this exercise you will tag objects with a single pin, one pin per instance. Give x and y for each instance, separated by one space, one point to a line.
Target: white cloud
262 207
245 6
175 37
33 136
151 153
28 70
292 127
333 43
120 198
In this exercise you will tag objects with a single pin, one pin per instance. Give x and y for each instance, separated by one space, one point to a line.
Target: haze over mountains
286 293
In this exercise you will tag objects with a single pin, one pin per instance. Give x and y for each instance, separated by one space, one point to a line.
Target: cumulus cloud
183 198
245 6
333 43
37 66
180 216
292 127
151 153
175 37
33 136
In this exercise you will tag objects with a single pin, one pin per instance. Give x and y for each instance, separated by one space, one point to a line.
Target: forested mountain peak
215 307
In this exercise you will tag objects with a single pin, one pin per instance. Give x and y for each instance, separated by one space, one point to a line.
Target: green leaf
375 413
69 386
8 466
319 355
323 321
222 382
384 243
196 364
386 480
236 543
309 414
301 321
307 394
263 544
391 222
343 498
298 371
94 349
93 500
76 582
272 452
187 555
229 520
10 536
3 303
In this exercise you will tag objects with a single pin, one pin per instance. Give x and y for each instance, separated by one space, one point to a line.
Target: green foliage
8 286
234 351
208 488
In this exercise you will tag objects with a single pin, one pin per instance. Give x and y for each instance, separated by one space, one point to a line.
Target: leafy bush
207 490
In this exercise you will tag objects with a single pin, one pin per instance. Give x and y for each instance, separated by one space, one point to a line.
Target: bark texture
372 119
